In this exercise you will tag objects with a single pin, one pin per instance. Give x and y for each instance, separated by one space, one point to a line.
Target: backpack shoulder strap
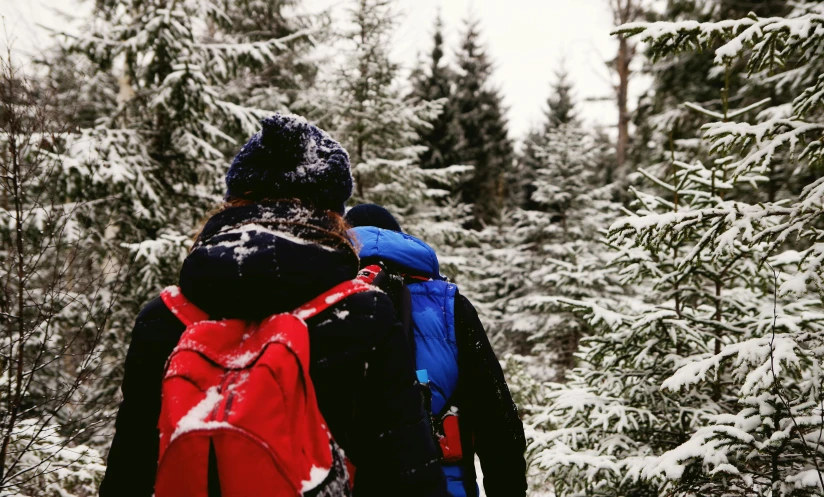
372 274
406 318
331 297
180 306
377 275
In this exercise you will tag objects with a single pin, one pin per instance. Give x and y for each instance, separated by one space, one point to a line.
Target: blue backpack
427 309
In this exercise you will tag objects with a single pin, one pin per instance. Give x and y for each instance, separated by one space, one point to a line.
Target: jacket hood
403 250
253 261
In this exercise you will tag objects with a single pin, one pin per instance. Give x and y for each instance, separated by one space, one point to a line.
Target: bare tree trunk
623 11
625 55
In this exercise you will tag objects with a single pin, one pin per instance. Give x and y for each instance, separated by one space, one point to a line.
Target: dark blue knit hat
290 158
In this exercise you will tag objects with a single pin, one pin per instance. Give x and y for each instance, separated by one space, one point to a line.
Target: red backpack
239 415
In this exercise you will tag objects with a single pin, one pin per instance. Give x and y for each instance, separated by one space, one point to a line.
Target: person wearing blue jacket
470 404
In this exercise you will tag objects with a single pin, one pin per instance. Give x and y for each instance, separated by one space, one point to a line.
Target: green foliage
561 104
708 382
440 142
172 89
485 145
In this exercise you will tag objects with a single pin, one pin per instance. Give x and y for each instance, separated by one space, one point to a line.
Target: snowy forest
653 288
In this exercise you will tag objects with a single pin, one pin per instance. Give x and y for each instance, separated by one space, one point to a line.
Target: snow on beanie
372 215
290 158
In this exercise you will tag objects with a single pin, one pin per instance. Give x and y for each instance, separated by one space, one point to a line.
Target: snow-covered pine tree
434 81
570 260
363 103
560 249
664 117
612 419
169 122
485 143
553 248
276 83
710 383
561 103
560 109
364 107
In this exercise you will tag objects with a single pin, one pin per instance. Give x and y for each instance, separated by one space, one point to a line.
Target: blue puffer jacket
433 318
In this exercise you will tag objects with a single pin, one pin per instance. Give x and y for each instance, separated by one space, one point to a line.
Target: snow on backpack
239 415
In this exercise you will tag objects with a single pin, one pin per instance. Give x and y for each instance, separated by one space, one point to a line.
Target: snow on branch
261 51
752 356
765 138
770 38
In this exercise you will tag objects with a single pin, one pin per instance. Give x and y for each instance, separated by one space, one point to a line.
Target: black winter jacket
254 261
488 409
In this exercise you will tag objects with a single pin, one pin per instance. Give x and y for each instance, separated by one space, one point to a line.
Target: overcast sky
528 41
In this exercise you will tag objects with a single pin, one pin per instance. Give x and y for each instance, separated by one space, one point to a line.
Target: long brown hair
337 227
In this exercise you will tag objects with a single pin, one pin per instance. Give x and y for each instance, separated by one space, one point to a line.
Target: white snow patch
331 299
316 477
805 479
479 474
341 314
241 360
195 419
241 252
306 313
311 165
245 229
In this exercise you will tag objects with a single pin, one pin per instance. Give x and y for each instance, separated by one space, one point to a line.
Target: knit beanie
372 215
291 159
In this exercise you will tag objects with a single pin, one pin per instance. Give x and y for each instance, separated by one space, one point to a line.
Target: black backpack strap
393 284
405 311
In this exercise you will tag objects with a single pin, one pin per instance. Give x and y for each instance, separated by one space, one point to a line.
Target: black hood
253 261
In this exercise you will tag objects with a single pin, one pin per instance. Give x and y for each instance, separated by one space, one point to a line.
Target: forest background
651 281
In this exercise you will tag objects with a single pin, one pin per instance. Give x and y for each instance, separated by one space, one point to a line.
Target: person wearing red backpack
466 394
269 357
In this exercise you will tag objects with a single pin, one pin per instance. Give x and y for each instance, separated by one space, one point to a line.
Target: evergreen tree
485 144
560 110
275 83
441 140
363 105
553 247
664 123
167 123
561 250
709 382
560 104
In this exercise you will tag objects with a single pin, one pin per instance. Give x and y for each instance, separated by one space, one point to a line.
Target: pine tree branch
777 386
